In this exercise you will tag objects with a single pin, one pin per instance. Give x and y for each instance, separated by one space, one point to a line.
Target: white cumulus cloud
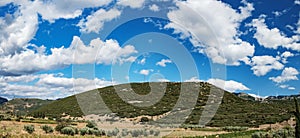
288 74
154 8
273 38
231 86
131 3
47 86
213 28
98 51
95 21
18 28
145 71
163 62
261 65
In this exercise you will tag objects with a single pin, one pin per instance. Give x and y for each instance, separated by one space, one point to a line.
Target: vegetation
282 133
62 124
234 128
234 111
47 129
29 128
23 106
91 124
297 116
68 130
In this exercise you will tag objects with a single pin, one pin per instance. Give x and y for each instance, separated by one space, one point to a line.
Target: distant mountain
22 106
3 100
283 97
234 110
245 96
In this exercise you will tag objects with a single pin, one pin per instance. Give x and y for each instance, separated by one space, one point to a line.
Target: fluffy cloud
273 38
142 61
98 51
163 80
145 71
283 86
48 86
94 22
4 2
193 79
287 86
285 55
287 74
154 8
221 41
23 78
18 29
163 62
291 88
231 86
131 3
261 65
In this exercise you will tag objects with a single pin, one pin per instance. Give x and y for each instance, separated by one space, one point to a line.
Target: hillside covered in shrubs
233 111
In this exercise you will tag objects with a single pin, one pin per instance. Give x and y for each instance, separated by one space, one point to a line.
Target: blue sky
52 49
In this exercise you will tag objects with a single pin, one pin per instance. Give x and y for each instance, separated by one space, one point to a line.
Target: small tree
91 124
68 131
1 117
84 131
29 128
144 119
61 124
47 129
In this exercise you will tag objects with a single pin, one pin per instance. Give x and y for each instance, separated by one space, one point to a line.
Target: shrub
84 131
151 132
144 119
156 132
68 131
146 133
135 133
115 132
1 117
91 124
29 128
61 125
97 132
124 132
47 129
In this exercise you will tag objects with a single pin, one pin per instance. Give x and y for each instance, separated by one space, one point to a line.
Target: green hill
22 106
233 111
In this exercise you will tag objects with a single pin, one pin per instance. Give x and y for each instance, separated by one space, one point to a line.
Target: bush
91 124
1 117
144 119
68 131
84 131
124 132
29 128
97 132
151 132
61 125
135 133
156 132
47 129
115 132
